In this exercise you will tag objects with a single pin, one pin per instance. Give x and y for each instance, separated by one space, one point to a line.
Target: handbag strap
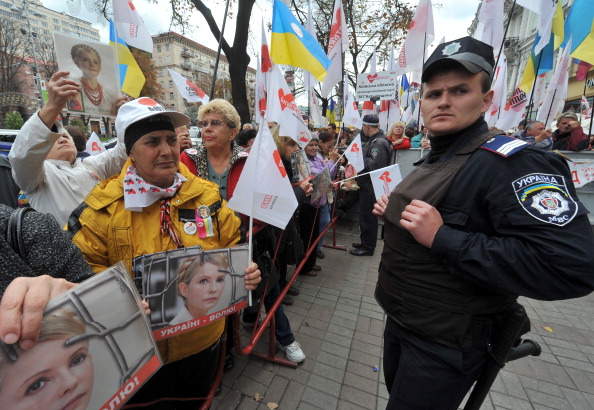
13 231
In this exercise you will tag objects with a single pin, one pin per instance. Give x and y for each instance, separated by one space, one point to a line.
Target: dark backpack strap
13 231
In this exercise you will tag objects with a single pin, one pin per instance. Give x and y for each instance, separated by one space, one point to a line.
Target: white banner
354 154
188 90
582 173
382 85
94 145
130 26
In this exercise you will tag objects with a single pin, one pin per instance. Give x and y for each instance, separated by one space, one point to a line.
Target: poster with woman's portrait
95 350
93 66
191 287
321 184
300 166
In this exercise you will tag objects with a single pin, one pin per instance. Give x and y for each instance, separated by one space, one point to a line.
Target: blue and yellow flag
131 78
579 25
330 114
291 44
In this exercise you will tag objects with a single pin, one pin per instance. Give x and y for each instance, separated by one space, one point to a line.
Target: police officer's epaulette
504 145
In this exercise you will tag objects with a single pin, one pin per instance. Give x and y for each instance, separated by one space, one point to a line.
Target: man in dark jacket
484 218
569 135
377 151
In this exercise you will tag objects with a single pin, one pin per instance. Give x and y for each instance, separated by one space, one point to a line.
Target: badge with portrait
321 184
191 287
300 166
93 66
95 349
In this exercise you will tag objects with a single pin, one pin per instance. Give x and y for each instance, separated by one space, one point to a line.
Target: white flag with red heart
188 90
282 109
264 191
94 145
354 154
385 179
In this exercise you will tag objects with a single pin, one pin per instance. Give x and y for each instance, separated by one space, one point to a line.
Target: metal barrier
406 158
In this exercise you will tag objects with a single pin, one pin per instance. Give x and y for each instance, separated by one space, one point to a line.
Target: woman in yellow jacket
151 206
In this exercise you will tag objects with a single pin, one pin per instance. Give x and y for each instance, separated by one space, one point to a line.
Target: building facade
197 63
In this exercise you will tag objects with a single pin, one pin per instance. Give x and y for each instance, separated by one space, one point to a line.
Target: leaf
548 329
258 397
272 406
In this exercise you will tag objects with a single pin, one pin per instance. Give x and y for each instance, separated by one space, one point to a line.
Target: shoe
311 273
287 300
357 245
317 268
320 255
293 352
229 363
361 252
218 390
293 291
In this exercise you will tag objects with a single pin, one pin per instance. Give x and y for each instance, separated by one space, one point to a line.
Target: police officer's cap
371 119
474 55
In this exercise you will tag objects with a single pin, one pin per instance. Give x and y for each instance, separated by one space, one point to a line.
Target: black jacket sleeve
504 242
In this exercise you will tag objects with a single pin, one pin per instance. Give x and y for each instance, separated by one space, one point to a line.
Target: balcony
185 54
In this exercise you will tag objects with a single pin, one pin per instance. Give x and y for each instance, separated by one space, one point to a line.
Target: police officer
483 219
377 151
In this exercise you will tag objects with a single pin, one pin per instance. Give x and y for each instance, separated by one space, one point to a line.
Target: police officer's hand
252 276
22 307
422 221
380 206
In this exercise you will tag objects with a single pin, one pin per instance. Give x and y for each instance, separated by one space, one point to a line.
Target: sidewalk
339 326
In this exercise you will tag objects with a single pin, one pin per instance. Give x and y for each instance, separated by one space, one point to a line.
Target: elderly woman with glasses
219 159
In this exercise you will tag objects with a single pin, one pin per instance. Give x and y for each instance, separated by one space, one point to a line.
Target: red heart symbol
371 78
286 100
266 63
147 101
355 148
279 163
385 177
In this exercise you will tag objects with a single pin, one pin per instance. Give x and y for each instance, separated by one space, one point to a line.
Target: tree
80 124
13 120
151 87
12 62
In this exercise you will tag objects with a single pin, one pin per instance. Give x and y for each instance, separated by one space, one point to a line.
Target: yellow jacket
107 233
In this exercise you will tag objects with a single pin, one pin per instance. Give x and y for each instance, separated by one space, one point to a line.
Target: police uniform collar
451 143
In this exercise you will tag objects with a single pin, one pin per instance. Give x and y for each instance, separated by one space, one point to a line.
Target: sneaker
287 300
293 352
293 291
320 255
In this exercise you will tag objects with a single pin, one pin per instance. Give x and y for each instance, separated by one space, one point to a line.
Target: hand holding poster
104 354
189 288
385 179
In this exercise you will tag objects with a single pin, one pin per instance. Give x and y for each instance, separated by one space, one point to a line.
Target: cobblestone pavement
339 326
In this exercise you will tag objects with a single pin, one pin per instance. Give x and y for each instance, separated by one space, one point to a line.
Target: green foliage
13 120
80 124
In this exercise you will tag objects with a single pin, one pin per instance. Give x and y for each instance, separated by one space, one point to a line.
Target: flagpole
216 67
551 107
529 106
421 86
509 17
117 56
250 252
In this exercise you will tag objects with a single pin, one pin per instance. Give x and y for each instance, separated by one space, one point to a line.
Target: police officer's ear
487 100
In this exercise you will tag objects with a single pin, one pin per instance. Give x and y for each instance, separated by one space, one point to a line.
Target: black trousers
368 223
423 375
309 224
190 377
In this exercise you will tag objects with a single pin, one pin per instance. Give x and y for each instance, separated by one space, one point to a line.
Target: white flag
188 90
282 109
489 29
351 114
354 154
264 191
514 110
385 179
556 90
94 145
337 44
130 26
420 34
500 91
585 108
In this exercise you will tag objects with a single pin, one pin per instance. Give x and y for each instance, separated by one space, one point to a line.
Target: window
167 47
170 83
160 60
168 59
159 48
171 96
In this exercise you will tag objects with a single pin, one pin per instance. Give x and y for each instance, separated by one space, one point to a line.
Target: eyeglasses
213 123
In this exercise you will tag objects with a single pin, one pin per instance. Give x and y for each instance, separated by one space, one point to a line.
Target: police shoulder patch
374 152
504 145
546 198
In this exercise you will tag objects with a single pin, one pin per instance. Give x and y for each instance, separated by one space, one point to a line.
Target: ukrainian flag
131 77
579 25
291 44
